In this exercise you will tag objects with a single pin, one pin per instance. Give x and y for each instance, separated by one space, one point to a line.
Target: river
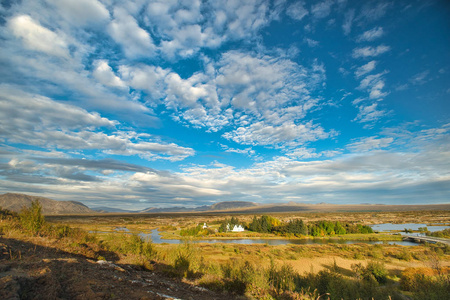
156 238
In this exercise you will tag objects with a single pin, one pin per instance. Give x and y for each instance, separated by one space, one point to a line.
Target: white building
237 228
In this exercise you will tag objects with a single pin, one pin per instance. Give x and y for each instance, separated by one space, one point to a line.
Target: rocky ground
32 271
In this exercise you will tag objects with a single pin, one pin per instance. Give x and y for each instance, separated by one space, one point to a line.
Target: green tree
339 229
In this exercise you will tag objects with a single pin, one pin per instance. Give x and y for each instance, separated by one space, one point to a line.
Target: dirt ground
31 271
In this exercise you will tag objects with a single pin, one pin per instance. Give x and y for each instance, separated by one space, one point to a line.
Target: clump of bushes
193 231
426 283
129 244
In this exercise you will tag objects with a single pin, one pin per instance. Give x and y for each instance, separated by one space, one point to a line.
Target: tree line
268 224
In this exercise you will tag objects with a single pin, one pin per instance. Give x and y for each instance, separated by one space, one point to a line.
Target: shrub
238 276
282 279
6 214
425 284
404 255
374 271
31 219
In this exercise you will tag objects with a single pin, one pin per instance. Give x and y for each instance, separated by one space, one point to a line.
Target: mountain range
15 202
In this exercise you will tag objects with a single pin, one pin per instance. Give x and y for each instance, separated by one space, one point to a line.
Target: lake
388 227
156 238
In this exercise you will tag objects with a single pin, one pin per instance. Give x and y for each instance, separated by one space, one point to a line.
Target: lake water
156 238
388 227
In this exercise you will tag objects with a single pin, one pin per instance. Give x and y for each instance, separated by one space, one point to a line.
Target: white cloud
364 69
420 78
40 121
297 11
302 153
311 43
370 51
145 77
261 133
374 84
241 88
371 35
247 151
135 41
374 12
37 37
322 9
260 86
384 175
184 93
26 109
348 21
369 113
105 75
187 26
82 12
370 143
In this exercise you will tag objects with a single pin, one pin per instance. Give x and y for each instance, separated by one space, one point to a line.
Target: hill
15 202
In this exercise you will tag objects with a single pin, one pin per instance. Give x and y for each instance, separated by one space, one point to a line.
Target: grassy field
227 271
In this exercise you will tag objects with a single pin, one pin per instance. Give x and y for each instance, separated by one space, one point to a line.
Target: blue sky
136 104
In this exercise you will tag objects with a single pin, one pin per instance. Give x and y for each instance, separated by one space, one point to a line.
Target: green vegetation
268 224
264 224
374 271
441 234
192 231
31 219
297 227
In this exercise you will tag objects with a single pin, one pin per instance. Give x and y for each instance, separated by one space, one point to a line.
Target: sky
138 104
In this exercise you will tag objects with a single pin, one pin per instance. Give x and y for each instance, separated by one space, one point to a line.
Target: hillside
15 202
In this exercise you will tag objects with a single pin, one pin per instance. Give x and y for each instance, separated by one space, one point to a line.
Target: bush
31 219
6 214
374 271
283 279
404 255
424 283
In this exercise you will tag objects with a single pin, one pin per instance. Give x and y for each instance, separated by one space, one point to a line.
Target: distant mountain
218 206
106 209
226 205
175 209
15 202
